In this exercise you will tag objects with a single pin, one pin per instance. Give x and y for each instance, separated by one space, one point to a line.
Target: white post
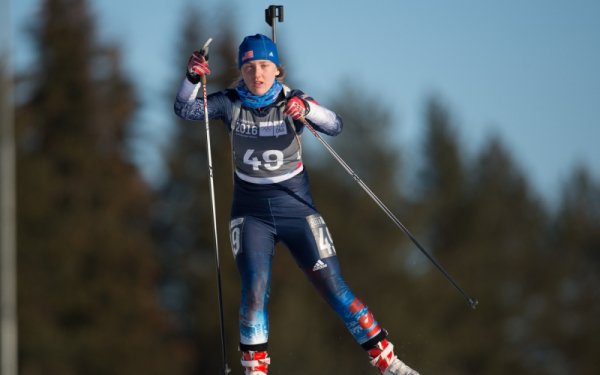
8 260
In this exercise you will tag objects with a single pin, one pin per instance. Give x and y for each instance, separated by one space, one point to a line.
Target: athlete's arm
322 119
189 107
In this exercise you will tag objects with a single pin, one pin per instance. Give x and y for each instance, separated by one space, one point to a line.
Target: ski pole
225 367
277 11
472 302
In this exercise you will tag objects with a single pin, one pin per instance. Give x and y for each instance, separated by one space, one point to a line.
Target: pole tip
473 302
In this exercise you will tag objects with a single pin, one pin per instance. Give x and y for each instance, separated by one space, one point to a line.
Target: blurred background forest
117 276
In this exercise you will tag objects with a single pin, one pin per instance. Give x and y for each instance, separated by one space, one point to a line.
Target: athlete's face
259 75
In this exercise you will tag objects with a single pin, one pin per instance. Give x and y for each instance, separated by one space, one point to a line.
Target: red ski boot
255 363
383 357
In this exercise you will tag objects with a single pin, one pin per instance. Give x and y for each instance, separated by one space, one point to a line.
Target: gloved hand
296 108
197 67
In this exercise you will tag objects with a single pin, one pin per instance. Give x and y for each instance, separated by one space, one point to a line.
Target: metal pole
472 301
225 369
9 335
271 13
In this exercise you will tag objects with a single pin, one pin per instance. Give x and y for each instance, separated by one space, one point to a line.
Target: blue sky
526 70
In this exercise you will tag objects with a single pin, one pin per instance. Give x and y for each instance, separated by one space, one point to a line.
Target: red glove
197 66
296 108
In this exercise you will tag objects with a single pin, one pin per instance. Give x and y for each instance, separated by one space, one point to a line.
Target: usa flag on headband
248 55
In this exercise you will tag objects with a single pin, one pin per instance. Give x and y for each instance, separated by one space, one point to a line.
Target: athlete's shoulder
231 94
223 99
301 94
295 92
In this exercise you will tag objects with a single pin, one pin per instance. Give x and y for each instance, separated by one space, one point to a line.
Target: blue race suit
271 203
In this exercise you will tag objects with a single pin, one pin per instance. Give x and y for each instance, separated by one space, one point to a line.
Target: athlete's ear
280 72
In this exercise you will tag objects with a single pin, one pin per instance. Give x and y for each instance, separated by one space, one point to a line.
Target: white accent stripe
250 363
270 180
322 116
384 355
188 91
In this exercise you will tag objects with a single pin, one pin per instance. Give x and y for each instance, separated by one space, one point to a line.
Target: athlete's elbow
339 125
179 109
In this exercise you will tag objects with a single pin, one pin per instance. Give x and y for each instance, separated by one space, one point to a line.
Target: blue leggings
253 239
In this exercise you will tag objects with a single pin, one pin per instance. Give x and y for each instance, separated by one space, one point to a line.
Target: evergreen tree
443 179
506 227
487 230
87 267
573 328
439 205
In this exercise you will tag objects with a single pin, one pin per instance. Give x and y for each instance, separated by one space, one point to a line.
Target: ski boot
255 363
383 357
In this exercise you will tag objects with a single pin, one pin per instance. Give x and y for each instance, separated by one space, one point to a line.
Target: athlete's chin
258 91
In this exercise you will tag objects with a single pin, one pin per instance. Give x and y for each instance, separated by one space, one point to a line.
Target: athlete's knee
255 293
330 283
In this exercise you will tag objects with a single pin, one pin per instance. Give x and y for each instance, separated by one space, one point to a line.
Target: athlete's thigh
311 245
252 243
308 240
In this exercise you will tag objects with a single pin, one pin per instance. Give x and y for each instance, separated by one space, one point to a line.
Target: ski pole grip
204 50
